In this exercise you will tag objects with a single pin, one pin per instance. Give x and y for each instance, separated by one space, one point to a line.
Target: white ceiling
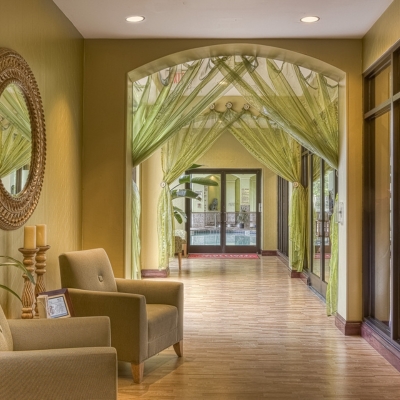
215 19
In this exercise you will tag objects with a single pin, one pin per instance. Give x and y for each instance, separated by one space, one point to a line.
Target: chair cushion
87 270
162 327
6 342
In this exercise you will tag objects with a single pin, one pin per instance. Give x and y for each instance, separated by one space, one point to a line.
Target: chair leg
137 372
178 347
180 260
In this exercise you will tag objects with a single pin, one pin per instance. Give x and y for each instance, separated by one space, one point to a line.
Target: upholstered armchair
146 316
47 359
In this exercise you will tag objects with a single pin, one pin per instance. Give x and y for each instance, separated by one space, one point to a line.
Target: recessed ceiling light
135 18
310 19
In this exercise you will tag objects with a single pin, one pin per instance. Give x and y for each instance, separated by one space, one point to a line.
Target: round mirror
23 141
16 140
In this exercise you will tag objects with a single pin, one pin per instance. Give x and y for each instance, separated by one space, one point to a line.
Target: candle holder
28 298
40 286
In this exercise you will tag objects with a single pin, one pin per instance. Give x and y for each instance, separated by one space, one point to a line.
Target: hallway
251 332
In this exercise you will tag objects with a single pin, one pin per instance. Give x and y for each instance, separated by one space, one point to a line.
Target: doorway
227 219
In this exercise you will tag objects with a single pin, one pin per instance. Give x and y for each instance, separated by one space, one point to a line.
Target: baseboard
348 328
269 253
386 349
155 273
299 275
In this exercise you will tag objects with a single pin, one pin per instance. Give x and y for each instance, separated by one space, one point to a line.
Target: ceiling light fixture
310 19
135 18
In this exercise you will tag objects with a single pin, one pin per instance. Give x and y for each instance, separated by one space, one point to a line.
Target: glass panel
241 209
317 222
329 198
381 85
381 273
205 224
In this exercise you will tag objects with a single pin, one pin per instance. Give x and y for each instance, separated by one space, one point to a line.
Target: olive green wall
106 177
382 36
54 50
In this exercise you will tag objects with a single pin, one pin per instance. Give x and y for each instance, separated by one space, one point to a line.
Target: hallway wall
54 50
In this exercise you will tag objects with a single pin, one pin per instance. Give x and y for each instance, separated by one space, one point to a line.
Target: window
381 241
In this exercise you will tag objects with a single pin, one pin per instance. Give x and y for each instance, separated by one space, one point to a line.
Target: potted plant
179 214
12 262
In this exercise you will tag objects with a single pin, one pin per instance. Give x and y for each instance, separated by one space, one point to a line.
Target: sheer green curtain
164 103
304 103
177 155
15 131
332 288
274 148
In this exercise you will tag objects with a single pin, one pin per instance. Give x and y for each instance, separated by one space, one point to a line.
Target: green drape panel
161 107
15 131
332 288
135 246
273 147
179 153
303 103
304 106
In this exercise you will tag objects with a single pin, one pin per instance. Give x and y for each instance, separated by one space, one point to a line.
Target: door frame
223 248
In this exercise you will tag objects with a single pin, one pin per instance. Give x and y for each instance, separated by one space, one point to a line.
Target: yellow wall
54 50
107 63
383 35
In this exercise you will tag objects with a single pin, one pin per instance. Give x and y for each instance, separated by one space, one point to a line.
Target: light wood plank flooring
251 332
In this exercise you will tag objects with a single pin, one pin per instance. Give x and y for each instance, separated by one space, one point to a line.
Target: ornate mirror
23 141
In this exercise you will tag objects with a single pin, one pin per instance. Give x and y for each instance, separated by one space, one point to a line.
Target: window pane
205 223
382 86
381 268
317 225
329 196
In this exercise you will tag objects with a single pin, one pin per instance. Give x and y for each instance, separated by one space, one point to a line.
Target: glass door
323 193
227 218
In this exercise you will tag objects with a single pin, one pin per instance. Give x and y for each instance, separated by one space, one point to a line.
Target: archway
330 71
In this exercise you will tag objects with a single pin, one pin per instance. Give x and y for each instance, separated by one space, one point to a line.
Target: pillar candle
41 235
30 237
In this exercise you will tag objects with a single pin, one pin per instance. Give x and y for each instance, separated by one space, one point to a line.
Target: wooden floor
251 332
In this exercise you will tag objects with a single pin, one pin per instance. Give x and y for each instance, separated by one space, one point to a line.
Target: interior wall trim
155 273
348 328
269 252
381 345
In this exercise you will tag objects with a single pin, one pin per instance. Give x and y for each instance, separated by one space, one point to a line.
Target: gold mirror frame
16 210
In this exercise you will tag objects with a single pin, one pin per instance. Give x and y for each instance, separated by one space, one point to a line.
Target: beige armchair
146 316
47 359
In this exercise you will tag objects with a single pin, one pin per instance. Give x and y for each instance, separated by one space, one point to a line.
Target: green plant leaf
11 291
18 264
184 179
203 181
185 193
179 215
194 166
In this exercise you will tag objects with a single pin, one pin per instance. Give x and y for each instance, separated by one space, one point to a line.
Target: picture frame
59 304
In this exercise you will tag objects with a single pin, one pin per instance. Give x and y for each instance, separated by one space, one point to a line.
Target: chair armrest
156 292
128 318
42 334
83 373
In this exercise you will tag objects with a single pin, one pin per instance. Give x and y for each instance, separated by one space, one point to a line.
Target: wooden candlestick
28 298
40 271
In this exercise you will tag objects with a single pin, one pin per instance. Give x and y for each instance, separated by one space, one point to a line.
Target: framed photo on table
58 304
